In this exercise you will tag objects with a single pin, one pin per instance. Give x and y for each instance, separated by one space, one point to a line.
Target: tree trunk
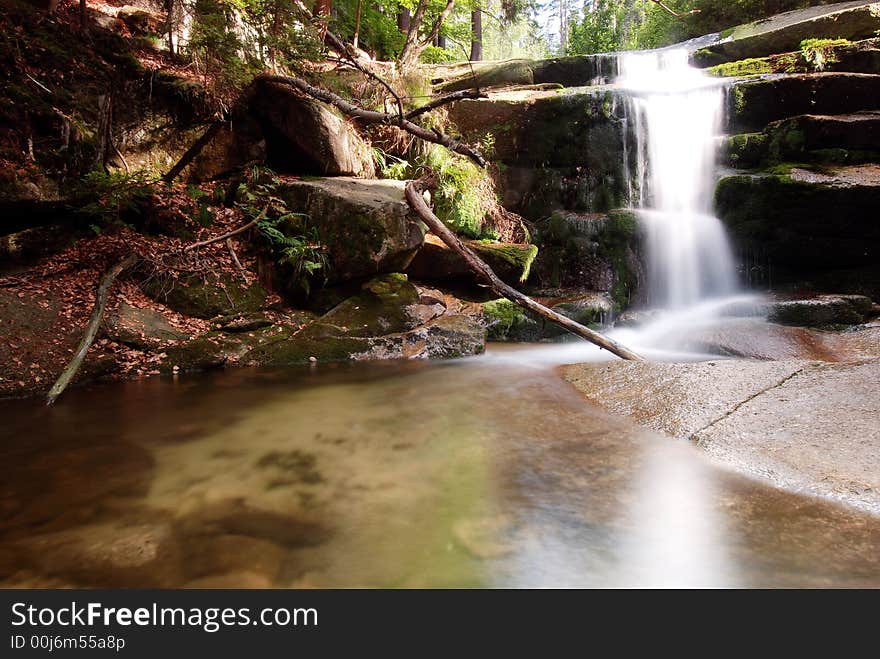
403 20
357 23
322 11
476 35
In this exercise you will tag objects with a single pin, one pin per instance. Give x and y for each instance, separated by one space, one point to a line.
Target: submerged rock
387 319
114 554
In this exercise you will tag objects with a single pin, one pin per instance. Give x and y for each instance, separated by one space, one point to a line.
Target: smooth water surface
483 472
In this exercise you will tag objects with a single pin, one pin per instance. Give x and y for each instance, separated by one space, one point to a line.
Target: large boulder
366 226
305 136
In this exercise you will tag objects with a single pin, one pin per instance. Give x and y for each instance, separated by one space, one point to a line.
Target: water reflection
485 472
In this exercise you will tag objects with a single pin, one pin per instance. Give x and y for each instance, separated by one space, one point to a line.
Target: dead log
417 202
91 329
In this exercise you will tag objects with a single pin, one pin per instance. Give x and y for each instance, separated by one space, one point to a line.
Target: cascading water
676 112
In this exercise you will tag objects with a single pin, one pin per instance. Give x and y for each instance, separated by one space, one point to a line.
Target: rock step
800 223
846 57
784 32
842 139
567 71
753 104
559 149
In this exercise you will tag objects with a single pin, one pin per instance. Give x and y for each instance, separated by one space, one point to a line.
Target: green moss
746 149
615 242
818 53
744 67
507 321
517 257
465 193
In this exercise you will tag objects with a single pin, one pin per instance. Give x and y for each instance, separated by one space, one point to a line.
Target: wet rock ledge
807 425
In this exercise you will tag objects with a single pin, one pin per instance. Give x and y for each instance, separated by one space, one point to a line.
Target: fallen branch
417 202
229 234
91 329
375 117
235 260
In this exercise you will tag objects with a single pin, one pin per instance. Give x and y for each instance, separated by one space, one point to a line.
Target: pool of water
489 471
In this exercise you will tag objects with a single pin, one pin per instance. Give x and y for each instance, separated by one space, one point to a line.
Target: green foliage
600 30
116 196
293 244
464 194
436 55
819 52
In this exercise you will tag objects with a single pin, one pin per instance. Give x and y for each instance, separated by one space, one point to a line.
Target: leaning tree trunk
484 272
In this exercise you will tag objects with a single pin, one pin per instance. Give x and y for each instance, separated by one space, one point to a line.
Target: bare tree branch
443 100
374 117
669 10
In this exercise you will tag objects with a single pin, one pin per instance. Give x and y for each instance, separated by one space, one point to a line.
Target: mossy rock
756 103
366 227
206 297
507 321
843 139
591 251
799 223
822 311
436 262
144 329
383 321
217 348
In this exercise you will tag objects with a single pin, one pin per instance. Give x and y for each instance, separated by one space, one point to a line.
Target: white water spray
677 111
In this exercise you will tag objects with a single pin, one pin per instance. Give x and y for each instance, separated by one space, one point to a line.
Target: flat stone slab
784 32
807 426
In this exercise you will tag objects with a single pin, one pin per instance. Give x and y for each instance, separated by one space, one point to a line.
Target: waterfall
676 113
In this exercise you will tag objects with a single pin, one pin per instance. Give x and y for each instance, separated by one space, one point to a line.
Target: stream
488 471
